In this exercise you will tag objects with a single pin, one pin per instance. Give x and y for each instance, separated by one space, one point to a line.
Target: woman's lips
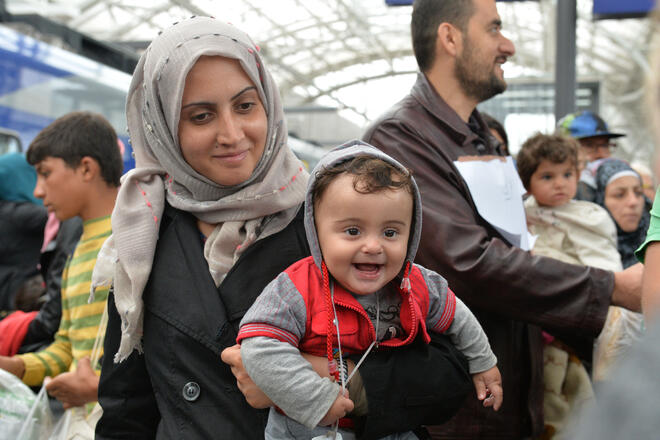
232 157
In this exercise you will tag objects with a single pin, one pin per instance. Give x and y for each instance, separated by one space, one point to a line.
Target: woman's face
223 124
624 200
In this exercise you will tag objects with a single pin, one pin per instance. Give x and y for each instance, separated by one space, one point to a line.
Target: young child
363 224
78 169
573 231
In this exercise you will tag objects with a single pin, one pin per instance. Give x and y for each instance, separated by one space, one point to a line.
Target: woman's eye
352 231
245 106
200 117
390 233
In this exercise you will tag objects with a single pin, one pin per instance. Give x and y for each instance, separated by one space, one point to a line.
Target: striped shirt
79 325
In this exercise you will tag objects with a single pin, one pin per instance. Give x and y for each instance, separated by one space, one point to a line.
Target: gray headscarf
262 205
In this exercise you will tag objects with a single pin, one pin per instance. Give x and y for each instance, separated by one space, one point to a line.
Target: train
40 82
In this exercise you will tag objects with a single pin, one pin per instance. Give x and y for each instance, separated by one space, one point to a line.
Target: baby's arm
449 315
280 371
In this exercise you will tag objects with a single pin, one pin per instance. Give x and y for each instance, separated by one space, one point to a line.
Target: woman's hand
254 396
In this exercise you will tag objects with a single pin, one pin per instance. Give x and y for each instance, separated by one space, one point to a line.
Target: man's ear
450 39
89 168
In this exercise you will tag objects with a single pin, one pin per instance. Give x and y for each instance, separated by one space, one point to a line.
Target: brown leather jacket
512 293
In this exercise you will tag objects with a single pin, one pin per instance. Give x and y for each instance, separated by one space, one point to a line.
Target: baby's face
363 237
554 184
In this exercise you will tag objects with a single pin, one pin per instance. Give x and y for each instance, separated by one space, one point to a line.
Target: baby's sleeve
279 313
449 315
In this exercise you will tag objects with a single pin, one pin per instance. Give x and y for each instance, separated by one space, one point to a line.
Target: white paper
497 192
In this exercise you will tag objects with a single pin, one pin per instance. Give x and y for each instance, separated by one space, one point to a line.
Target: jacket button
191 391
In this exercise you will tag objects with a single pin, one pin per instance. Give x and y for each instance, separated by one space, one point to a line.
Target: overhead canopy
356 55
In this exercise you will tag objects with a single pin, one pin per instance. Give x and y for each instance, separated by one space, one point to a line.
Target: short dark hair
370 175
427 15
76 135
494 124
554 148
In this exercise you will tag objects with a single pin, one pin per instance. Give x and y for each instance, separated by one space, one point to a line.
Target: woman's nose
229 130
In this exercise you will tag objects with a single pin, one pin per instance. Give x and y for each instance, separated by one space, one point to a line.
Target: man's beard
476 79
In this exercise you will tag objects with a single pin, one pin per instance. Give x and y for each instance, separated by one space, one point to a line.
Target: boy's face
553 184
363 237
60 187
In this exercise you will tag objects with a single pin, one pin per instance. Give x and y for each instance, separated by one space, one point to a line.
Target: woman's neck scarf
627 242
261 206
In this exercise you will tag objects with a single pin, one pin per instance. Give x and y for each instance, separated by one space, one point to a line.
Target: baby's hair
540 147
370 175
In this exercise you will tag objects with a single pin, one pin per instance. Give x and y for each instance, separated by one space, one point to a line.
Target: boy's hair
554 148
370 175
427 15
76 135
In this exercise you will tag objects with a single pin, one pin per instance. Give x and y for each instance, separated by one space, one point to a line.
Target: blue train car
40 82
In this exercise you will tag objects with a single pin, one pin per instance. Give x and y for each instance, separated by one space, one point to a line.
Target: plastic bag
23 415
621 330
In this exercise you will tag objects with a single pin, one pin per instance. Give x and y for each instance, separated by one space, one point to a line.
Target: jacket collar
455 127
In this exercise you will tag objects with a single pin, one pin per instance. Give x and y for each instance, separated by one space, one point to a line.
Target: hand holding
341 406
253 395
75 388
488 385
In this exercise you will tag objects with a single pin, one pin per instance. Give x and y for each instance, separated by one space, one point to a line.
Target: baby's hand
489 387
342 406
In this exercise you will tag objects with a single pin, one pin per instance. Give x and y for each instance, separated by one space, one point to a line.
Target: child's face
61 187
363 237
553 184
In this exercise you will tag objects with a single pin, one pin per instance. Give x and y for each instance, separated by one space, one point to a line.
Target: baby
359 289
573 231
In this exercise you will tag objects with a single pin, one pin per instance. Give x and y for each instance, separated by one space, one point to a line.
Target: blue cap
584 124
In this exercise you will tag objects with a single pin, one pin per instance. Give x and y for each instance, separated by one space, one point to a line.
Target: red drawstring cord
332 364
405 281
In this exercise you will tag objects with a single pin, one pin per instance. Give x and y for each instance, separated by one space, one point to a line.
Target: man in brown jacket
460 50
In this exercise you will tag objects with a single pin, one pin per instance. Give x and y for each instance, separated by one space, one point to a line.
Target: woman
619 191
209 216
22 221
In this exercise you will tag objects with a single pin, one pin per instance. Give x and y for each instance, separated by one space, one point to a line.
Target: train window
10 142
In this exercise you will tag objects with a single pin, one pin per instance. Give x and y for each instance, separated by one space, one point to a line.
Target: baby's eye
390 233
352 231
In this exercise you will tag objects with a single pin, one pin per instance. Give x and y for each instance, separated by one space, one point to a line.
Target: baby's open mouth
367 267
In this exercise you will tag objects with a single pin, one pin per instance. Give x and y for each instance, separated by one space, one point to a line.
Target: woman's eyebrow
206 103
243 91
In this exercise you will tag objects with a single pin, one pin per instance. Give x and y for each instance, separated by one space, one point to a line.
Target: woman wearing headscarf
619 190
209 216
22 221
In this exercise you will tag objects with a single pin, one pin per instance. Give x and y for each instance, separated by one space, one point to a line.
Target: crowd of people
248 298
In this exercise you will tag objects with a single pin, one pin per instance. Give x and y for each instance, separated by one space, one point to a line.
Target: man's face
479 62
597 147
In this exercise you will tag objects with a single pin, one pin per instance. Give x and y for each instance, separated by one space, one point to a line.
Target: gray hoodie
275 364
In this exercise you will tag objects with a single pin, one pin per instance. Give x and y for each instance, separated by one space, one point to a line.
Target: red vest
357 331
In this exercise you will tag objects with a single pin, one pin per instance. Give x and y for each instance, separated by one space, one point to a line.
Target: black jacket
21 235
180 388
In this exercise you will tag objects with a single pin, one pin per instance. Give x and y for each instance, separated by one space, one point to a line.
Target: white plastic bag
621 331
23 415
